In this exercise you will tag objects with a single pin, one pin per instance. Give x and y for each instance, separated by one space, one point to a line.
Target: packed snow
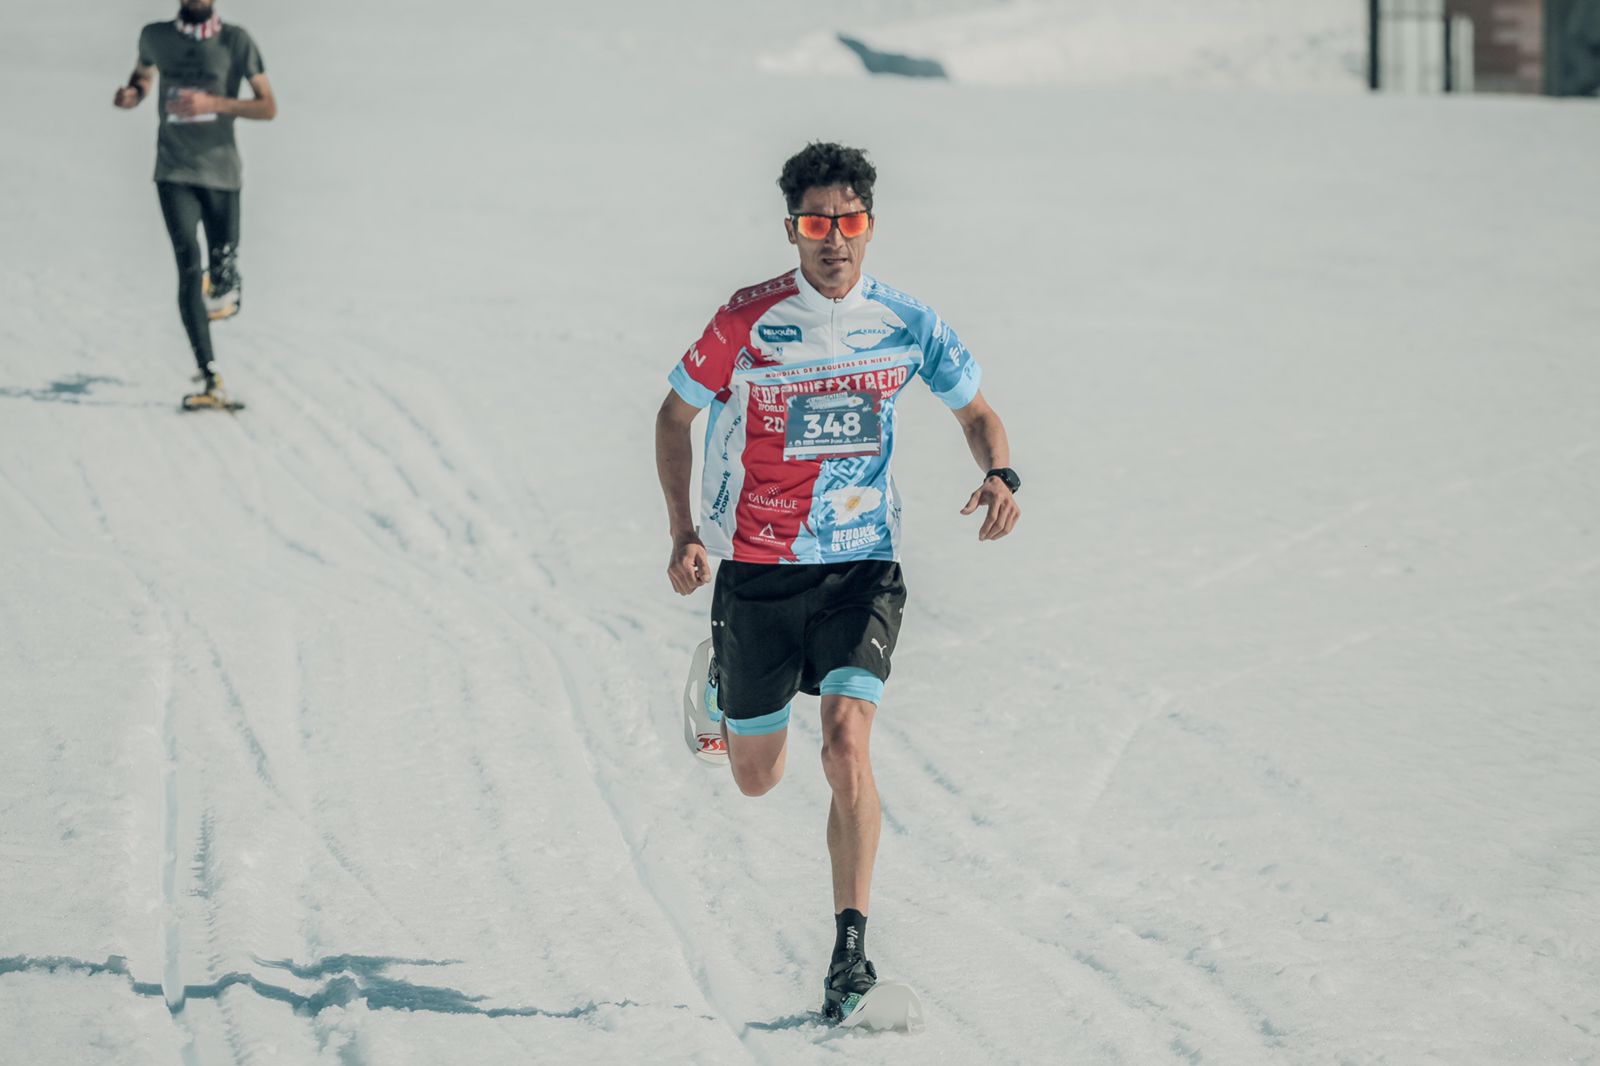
346 730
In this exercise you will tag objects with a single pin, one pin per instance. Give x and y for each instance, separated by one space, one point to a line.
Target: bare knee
757 761
757 781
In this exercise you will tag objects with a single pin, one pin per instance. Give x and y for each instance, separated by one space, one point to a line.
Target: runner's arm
689 566
139 82
986 439
264 108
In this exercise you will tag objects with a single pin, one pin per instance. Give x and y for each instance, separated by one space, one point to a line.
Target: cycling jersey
802 392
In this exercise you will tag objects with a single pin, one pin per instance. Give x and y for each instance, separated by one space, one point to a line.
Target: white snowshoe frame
702 722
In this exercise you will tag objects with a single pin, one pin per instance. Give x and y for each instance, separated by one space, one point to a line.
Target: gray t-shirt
198 150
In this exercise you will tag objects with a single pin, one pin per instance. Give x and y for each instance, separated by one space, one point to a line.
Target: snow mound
1317 44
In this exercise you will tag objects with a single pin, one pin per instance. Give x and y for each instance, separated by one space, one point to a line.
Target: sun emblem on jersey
849 504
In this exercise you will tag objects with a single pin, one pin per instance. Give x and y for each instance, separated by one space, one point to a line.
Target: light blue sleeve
948 368
691 391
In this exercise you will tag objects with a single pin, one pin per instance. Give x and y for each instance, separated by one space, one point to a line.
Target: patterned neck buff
200 31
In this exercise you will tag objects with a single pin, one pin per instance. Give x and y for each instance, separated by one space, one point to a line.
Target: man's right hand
127 97
690 566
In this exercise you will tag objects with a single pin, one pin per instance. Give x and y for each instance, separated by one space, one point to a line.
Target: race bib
823 425
172 96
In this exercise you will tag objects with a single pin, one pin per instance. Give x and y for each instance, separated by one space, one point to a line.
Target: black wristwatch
1006 474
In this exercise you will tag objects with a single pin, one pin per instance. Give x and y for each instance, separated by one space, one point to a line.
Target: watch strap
1007 475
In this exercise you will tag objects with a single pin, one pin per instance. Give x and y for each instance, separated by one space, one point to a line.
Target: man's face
832 264
196 10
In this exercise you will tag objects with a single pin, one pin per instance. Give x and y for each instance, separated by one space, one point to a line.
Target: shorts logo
780 334
883 652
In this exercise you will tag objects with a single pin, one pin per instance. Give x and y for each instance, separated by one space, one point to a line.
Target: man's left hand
1003 510
191 103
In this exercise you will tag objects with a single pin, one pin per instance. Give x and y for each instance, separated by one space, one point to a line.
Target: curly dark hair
823 163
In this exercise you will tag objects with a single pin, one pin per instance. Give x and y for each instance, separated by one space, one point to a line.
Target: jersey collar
203 31
811 298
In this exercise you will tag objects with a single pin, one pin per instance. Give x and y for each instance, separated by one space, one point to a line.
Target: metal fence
1418 46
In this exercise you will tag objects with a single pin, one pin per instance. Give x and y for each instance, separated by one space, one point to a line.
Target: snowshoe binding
222 287
849 980
214 398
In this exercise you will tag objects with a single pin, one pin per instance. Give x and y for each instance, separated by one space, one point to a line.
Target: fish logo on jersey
864 340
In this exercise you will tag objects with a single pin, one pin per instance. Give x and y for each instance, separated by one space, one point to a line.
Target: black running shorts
779 628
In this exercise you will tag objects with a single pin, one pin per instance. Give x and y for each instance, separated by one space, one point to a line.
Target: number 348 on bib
832 424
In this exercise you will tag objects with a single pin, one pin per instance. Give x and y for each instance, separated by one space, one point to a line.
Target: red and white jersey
802 392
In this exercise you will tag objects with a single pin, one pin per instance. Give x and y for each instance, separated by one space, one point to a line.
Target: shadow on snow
346 979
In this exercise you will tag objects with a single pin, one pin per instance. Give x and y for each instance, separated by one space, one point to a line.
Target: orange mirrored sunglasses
816 227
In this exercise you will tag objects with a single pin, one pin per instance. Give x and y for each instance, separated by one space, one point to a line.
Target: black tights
186 208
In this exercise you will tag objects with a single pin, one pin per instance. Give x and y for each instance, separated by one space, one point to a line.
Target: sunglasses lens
852 226
812 227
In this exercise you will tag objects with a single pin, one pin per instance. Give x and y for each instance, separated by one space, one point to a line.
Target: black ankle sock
851 926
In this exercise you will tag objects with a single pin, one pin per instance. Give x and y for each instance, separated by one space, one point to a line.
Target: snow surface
346 731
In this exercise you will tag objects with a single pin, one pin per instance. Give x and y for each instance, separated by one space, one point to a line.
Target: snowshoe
221 286
214 398
702 716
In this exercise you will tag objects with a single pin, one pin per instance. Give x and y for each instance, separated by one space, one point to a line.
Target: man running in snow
198 172
801 375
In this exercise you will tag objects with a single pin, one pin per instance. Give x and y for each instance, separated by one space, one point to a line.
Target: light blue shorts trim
854 682
776 722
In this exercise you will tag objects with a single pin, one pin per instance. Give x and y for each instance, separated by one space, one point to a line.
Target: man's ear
788 229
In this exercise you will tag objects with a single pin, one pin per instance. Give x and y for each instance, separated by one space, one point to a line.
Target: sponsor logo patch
719 505
861 340
849 540
770 498
779 334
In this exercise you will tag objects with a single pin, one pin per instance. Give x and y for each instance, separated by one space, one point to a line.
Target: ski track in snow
547 641
190 827
467 703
